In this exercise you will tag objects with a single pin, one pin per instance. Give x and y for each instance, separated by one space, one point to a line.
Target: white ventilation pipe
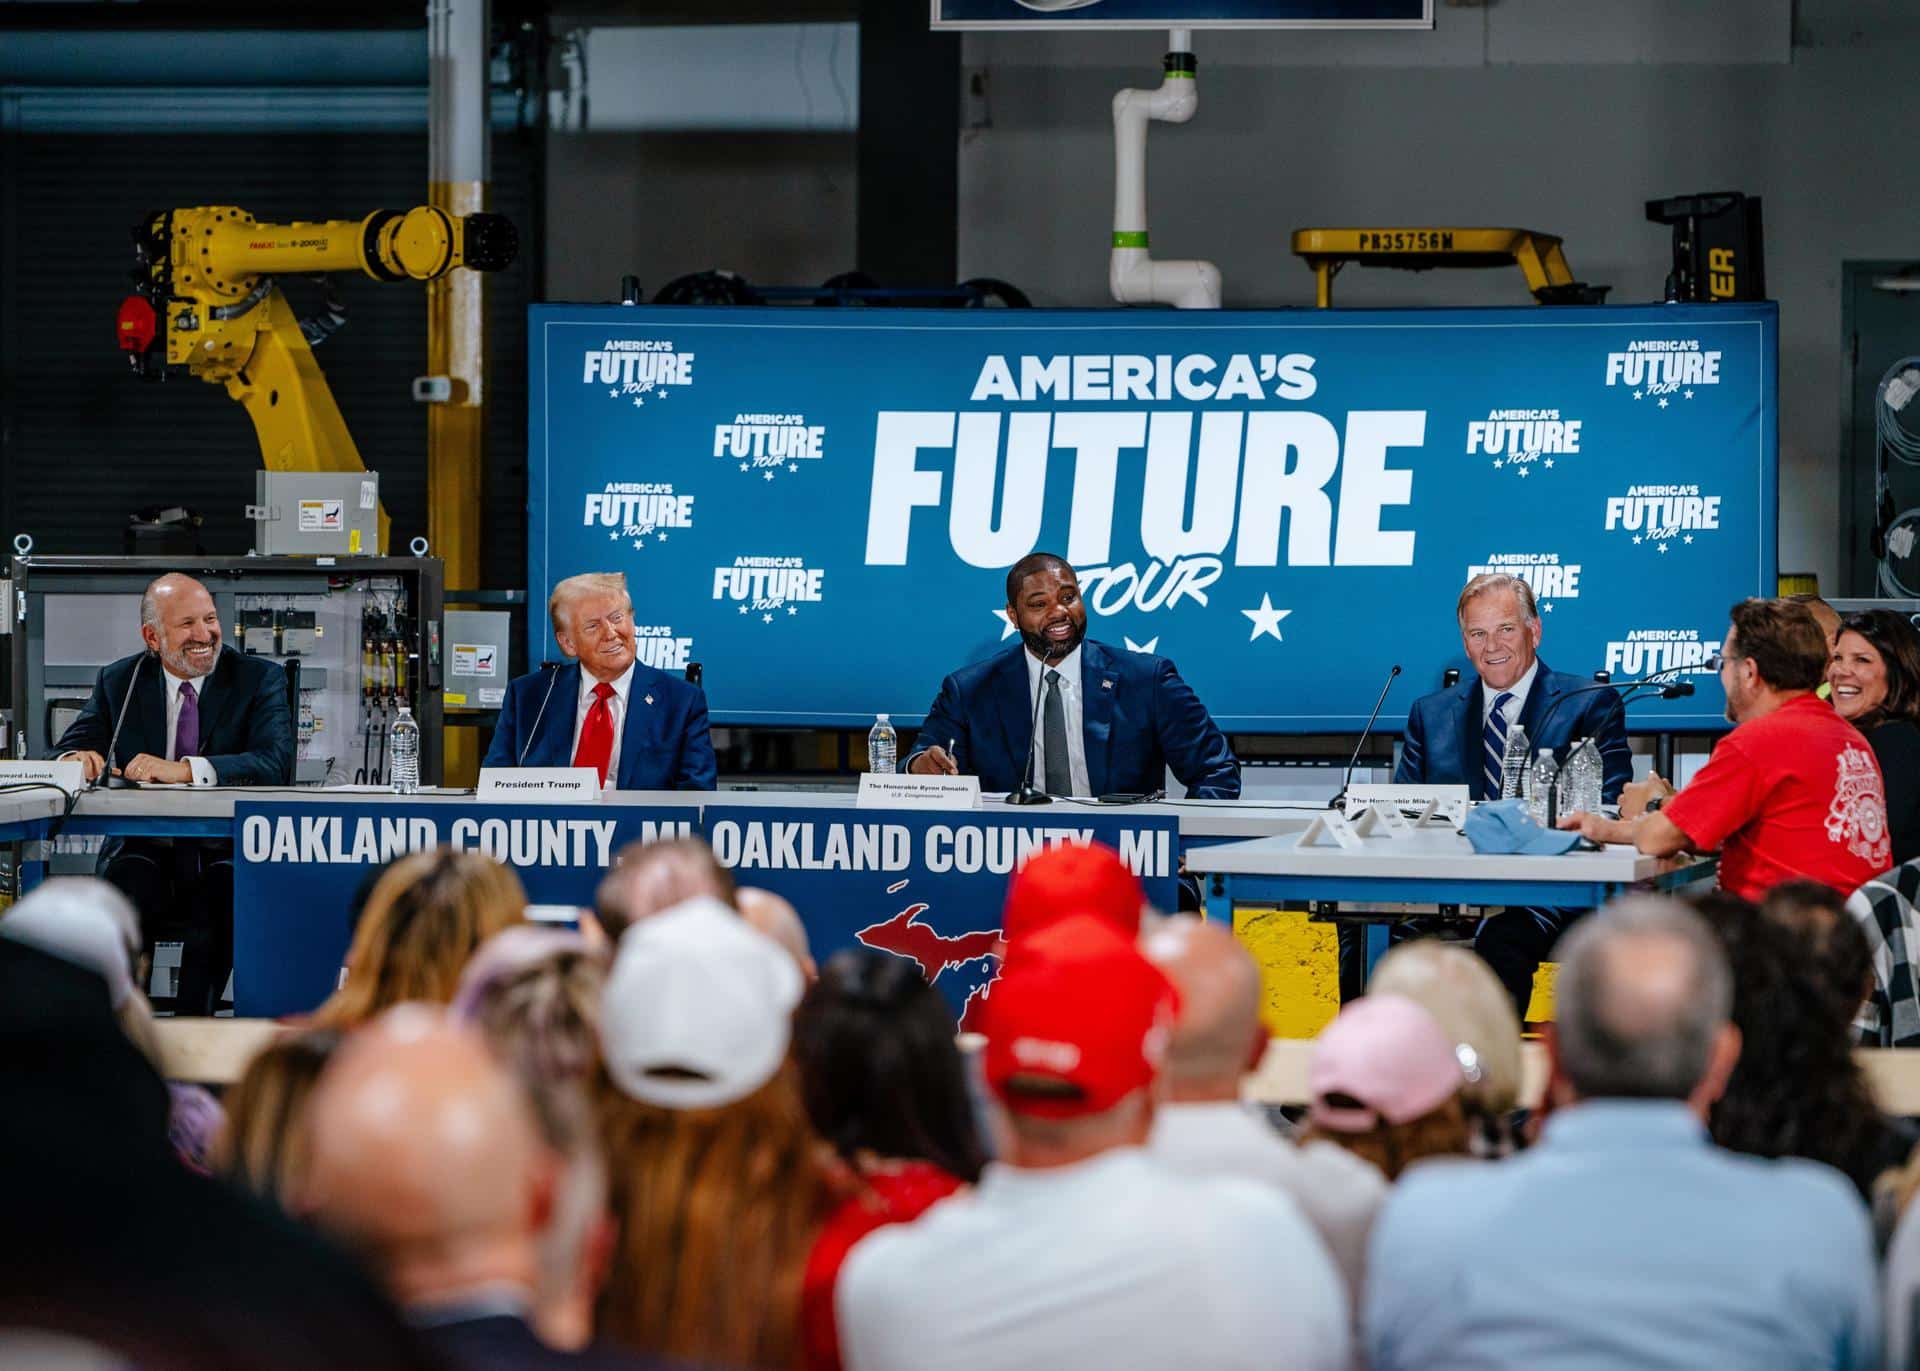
1132 274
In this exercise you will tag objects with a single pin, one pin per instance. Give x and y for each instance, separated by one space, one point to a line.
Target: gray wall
1559 115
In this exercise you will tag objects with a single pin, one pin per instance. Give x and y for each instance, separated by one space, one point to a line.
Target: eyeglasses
1717 661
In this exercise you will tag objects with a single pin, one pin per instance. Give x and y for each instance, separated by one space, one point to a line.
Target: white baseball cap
698 1008
84 922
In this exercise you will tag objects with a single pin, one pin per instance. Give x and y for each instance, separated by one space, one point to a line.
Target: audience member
88 923
427 1160
195 1122
1385 1085
1875 675
648 877
1836 949
534 994
1087 878
1080 1250
885 1086
1886 910
776 917
110 1239
1824 614
1468 1002
264 1146
423 921
1623 1237
715 1170
1792 791
1797 1090
1203 1129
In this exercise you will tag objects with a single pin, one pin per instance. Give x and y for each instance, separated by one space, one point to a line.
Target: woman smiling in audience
1875 676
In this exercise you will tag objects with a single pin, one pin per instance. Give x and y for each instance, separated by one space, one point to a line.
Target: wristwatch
1653 805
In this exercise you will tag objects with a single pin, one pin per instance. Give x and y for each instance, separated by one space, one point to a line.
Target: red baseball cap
1082 1010
1085 878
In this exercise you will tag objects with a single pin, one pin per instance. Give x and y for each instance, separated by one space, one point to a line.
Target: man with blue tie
1459 736
640 728
1109 721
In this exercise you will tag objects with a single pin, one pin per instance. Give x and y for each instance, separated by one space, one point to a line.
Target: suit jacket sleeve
1606 724
1195 748
697 769
93 728
267 758
506 733
946 719
1412 768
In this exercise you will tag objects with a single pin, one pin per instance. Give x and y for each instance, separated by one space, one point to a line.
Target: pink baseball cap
1383 1060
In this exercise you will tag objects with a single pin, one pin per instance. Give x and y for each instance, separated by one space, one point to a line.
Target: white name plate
1450 800
69 776
538 785
902 791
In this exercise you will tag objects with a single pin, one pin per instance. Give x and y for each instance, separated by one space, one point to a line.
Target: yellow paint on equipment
1538 256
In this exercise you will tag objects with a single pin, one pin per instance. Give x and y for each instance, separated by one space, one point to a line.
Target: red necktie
596 735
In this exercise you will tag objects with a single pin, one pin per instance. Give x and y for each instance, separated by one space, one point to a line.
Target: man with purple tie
195 713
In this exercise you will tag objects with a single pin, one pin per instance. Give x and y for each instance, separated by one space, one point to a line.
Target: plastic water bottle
403 753
1539 783
883 747
1584 767
1513 764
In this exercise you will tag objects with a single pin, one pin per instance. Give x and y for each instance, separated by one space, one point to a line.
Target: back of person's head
647 877
426 916
774 915
1642 1004
1823 613
1218 1037
1077 1031
264 1146
425 1157
534 994
1460 990
1836 950
88 923
1074 878
714 1167
881 1073
1892 635
1385 1084
1783 640
1797 1090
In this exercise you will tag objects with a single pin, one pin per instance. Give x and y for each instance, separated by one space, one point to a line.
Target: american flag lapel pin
648 698
1106 683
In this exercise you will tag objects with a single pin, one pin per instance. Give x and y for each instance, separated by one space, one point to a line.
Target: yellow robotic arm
206 300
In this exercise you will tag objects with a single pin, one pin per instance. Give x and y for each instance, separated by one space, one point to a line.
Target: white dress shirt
617 706
1518 703
1070 702
203 773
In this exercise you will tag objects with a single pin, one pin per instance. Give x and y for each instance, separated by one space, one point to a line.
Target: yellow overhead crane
1538 256
206 299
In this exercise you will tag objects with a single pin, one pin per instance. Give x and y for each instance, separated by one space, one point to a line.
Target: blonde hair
422 922
586 583
263 1148
1471 1007
718 1210
1492 583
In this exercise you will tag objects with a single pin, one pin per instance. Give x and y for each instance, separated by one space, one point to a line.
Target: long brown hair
718 1210
1395 1147
264 1146
1894 637
425 917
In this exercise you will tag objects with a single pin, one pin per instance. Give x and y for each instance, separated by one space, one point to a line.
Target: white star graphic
1497 464
743 609
613 536
612 394
1007 630
766 618
1686 394
1636 540
1663 402
1687 538
1547 605
768 475
1526 471
661 535
638 402
1266 619
1147 646
793 609
743 466
639 543
1636 395
793 466
1663 547
1548 464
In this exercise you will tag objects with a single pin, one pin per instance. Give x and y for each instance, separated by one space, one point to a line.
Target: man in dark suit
195 713
1458 736
640 728
1109 721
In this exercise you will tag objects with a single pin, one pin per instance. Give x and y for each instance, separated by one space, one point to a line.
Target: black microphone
1026 794
1365 733
1669 690
132 678
553 675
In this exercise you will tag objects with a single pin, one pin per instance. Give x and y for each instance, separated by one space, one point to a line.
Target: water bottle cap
406 711
884 718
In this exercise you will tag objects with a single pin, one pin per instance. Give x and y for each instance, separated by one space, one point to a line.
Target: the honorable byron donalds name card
538 785
918 792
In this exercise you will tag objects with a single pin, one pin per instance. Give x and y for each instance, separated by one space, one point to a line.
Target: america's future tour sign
820 506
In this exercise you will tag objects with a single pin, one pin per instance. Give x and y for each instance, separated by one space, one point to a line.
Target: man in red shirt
1793 791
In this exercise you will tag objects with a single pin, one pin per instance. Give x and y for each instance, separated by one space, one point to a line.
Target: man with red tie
638 727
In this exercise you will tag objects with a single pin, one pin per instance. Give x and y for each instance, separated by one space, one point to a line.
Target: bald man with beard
1204 1129
427 1160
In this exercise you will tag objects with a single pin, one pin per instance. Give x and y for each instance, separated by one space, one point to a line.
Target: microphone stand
133 678
1667 690
1026 794
1346 782
553 675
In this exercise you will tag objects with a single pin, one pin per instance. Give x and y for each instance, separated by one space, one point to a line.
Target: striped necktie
1493 743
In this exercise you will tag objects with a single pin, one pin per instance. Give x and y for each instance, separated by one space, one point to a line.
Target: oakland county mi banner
820 506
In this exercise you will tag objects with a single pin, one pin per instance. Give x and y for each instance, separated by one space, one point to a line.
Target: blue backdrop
820 505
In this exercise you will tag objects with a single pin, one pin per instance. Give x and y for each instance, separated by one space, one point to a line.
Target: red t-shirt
897 1195
1795 793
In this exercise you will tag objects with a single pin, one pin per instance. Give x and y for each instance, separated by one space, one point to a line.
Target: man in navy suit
196 713
1457 736
1109 721
640 728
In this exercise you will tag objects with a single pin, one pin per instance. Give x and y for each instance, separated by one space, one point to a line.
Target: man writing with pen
1109 721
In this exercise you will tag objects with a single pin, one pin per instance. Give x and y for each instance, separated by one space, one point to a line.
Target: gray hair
586 583
1492 583
150 598
1643 991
